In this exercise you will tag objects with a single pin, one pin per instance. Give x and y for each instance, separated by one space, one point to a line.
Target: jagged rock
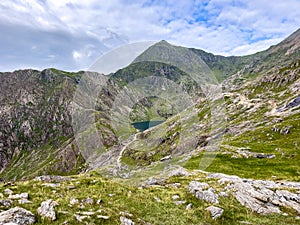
126 221
6 202
208 196
19 196
261 196
18 216
46 209
215 212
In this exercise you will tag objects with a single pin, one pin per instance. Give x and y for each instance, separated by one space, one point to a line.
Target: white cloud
219 26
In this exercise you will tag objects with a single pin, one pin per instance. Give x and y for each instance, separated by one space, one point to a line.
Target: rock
224 194
154 181
8 191
178 172
88 201
208 196
18 216
19 196
102 217
6 202
1 195
215 212
195 186
80 218
175 197
74 201
189 206
180 202
168 157
157 199
23 201
53 185
46 209
52 178
125 221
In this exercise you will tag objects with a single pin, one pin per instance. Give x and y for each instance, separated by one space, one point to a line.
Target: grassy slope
139 202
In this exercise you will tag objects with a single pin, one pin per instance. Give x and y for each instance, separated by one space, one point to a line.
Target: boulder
46 210
17 216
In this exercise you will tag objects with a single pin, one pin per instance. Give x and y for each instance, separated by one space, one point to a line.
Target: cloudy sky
72 34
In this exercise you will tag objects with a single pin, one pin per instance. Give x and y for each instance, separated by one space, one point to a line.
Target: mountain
211 116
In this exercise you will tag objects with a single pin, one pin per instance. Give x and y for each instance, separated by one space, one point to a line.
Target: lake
146 124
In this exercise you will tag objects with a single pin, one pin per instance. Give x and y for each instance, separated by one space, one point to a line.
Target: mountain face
260 96
223 148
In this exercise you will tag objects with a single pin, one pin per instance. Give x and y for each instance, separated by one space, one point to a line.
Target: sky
72 34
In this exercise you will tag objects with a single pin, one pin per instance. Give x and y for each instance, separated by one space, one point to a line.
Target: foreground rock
215 212
46 210
18 216
208 195
262 196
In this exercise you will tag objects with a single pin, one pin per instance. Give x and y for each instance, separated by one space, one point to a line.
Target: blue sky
72 34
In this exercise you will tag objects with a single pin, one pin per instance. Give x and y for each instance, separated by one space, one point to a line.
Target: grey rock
6 202
23 201
7 191
195 186
178 171
208 196
88 201
46 209
53 185
19 196
18 216
175 197
168 157
74 201
189 206
52 178
215 212
126 221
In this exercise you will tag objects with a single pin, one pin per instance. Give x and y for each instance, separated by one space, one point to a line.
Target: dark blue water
146 124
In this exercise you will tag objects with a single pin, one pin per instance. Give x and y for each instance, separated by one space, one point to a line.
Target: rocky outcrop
17 216
208 195
262 196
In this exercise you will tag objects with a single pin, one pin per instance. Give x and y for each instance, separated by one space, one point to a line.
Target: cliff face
34 111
